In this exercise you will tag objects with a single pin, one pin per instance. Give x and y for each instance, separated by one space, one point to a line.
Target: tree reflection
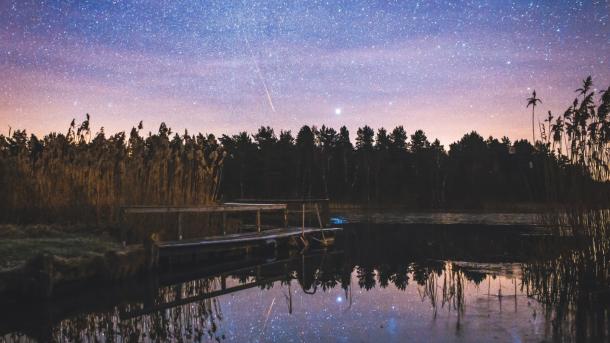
564 266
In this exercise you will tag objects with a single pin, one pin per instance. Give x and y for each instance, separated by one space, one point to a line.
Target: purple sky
223 67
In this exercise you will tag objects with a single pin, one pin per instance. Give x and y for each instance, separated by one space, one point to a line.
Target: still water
465 278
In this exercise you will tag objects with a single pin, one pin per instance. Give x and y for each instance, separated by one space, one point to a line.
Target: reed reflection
553 281
575 286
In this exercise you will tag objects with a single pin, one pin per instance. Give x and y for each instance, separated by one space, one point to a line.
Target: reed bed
80 177
581 135
575 285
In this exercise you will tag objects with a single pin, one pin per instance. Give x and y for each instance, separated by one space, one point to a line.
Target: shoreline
57 258
37 261
524 207
47 275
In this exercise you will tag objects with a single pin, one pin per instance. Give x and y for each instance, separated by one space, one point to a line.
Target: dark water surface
408 277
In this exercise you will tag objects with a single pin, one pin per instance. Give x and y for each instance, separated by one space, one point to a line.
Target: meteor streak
260 76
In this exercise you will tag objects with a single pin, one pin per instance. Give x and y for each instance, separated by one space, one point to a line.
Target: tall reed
80 177
581 135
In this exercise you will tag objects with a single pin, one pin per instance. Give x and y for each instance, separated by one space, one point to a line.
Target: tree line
396 168
568 164
79 174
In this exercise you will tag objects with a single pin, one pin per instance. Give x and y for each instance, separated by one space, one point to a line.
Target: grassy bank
18 244
37 261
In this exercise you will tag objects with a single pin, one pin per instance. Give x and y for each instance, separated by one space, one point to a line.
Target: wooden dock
239 240
257 236
222 209
227 207
314 206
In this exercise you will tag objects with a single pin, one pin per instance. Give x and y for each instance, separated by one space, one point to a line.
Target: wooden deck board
229 207
282 200
249 237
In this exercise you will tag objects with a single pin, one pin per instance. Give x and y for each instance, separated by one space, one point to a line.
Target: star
224 67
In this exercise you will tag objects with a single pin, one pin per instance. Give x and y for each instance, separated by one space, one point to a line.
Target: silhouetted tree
533 101
364 151
305 149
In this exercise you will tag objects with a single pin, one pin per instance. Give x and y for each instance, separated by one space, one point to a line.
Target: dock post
224 223
258 220
319 217
303 222
179 226
122 223
320 222
286 217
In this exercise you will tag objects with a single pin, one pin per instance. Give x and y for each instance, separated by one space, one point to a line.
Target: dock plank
249 237
232 207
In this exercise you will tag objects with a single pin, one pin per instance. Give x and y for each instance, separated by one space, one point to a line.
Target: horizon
223 68
145 132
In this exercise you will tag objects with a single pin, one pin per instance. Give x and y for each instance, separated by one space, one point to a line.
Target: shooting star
260 75
267 316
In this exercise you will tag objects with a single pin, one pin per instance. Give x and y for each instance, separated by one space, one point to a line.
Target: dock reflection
552 280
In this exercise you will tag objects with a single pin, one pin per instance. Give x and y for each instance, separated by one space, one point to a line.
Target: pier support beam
179 226
224 223
303 222
285 218
258 220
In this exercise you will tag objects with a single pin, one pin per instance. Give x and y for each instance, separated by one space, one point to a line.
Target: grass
21 243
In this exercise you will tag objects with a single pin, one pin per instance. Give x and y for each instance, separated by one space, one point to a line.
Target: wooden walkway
248 237
227 207
262 236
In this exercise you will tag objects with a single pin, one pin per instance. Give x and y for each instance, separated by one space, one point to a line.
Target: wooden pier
313 206
222 209
247 237
272 237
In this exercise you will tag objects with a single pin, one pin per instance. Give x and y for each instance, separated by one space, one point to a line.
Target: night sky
225 66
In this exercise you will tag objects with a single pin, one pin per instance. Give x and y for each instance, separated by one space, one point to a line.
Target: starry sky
446 67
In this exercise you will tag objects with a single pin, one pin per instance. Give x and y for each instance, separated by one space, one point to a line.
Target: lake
391 276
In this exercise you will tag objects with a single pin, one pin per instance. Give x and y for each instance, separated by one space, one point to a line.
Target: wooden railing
242 205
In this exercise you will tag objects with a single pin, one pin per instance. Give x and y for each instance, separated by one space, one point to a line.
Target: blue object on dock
338 220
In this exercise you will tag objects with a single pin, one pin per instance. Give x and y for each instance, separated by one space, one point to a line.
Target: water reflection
303 299
384 282
575 286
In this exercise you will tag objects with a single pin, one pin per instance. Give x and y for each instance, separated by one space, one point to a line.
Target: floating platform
221 208
239 240
247 238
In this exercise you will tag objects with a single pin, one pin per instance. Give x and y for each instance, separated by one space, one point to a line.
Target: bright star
337 111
